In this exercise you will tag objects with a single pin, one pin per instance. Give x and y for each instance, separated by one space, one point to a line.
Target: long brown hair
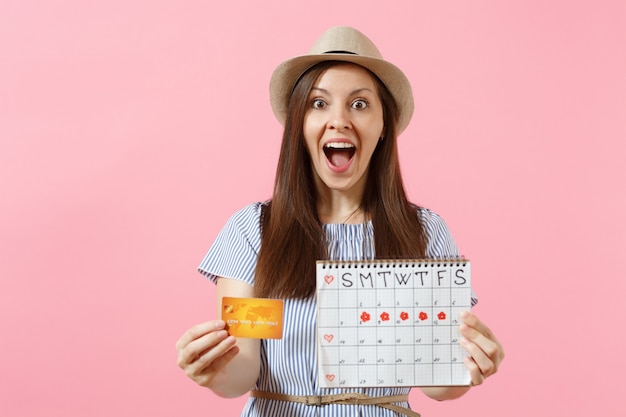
292 233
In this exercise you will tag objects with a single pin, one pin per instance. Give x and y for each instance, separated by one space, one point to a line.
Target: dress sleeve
441 244
235 250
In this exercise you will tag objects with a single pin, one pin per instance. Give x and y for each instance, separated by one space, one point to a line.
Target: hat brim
287 74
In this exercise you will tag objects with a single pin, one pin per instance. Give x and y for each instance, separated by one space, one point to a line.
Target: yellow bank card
257 318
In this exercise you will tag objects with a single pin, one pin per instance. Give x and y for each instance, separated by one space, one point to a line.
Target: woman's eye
318 103
359 104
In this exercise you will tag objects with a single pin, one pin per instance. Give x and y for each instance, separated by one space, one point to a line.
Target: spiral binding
393 263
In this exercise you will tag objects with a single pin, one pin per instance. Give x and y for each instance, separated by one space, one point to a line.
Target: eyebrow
352 93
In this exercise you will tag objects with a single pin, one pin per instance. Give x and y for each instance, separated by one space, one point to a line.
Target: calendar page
391 323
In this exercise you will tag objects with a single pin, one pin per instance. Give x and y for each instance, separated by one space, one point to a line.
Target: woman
338 195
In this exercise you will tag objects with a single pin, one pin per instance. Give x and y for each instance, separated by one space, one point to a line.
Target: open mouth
339 154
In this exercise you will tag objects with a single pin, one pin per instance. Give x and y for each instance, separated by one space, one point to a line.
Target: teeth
339 145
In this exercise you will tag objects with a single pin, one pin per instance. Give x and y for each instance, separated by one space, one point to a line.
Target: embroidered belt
353 398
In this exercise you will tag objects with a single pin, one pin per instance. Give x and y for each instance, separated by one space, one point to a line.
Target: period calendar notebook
384 323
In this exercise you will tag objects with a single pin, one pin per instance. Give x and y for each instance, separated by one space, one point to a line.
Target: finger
197 331
472 320
210 361
490 346
206 375
219 356
197 347
476 376
485 364
477 332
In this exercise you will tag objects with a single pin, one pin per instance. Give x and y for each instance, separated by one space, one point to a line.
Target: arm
227 365
486 354
445 393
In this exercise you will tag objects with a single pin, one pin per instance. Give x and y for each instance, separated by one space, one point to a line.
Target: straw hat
342 43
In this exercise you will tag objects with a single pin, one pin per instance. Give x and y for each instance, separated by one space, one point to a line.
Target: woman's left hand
486 352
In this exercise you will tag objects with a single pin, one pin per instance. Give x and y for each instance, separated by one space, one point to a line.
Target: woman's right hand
227 365
204 351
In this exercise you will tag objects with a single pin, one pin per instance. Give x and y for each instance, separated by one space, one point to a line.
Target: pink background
131 130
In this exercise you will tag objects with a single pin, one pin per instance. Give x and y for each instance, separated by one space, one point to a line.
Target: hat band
340 52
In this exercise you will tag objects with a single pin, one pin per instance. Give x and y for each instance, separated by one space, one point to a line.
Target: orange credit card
257 318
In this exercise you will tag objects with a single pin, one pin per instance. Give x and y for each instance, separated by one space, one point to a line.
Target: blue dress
289 365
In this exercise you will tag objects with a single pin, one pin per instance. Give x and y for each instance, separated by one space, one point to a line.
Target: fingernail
220 324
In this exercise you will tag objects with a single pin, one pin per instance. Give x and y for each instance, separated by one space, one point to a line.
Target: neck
340 208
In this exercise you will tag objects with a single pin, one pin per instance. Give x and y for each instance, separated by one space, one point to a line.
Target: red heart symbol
330 377
329 278
328 337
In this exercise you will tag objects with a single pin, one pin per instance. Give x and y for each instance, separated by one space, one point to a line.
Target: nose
339 119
